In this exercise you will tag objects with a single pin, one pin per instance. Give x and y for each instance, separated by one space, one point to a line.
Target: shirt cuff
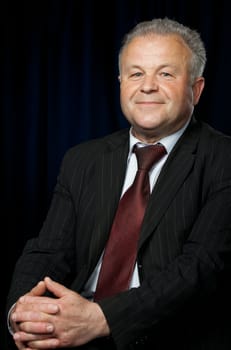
10 328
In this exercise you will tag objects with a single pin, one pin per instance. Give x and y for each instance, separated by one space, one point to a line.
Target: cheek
125 94
183 96
128 89
122 90
122 97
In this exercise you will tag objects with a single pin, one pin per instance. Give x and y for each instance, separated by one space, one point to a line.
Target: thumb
56 288
38 290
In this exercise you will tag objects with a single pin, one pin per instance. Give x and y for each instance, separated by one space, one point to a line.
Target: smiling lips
149 102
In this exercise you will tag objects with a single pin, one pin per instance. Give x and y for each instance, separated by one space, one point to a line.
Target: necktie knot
148 155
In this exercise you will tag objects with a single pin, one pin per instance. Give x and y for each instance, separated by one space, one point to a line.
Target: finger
39 289
30 316
39 304
24 337
51 343
56 288
20 345
36 327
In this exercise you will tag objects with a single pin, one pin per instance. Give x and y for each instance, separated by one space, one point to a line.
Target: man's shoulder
100 145
211 134
207 132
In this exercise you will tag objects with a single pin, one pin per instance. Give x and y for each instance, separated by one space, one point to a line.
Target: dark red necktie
120 252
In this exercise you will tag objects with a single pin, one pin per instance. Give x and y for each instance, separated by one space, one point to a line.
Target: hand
64 321
38 290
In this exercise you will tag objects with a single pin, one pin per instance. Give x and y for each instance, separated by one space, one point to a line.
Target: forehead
154 46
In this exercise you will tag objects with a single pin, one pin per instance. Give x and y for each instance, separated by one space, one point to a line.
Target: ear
198 87
119 78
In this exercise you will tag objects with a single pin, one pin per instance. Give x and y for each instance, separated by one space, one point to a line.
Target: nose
149 84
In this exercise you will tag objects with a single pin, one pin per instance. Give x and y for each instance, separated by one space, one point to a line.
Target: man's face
157 96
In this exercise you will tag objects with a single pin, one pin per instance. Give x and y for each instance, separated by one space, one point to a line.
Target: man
178 296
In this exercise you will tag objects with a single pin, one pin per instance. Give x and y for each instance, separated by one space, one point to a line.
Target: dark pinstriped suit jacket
184 254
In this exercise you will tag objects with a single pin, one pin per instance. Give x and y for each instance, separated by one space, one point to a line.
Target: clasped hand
67 320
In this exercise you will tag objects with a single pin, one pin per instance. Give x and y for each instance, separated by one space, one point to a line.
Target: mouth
149 102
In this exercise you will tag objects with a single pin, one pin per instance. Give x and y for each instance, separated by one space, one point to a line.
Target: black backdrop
59 87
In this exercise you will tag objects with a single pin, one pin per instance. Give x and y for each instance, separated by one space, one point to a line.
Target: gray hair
166 26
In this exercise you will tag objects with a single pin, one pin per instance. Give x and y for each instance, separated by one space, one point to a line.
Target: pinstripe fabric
184 254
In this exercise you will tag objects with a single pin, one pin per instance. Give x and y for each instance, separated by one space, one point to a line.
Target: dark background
59 87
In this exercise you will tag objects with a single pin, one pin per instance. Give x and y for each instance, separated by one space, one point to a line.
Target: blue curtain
59 87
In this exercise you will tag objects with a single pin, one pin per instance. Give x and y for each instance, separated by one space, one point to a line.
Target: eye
165 74
136 75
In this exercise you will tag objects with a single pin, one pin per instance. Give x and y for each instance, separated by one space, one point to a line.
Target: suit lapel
110 175
171 178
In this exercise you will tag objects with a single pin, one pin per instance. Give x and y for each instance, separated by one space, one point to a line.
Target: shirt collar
168 142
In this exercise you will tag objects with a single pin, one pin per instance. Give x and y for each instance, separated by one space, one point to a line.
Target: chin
143 131
148 126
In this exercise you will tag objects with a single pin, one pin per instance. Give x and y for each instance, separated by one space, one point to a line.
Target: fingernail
16 336
22 299
54 307
50 328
